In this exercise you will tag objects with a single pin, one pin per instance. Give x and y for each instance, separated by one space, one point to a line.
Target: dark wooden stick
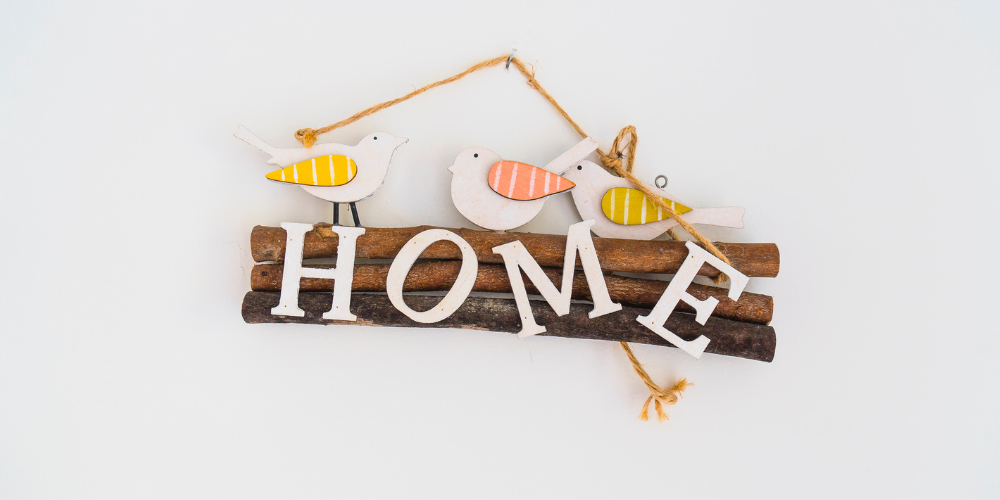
631 256
730 338
440 276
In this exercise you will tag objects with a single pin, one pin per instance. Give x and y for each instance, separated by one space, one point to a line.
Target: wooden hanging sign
462 261
623 286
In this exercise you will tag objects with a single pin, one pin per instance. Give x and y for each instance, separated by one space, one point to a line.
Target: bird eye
475 155
579 167
375 138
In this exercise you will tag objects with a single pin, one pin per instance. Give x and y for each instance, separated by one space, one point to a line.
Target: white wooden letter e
342 275
677 291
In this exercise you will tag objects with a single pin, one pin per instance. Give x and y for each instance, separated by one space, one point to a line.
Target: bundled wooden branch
440 276
616 255
729 338
736 328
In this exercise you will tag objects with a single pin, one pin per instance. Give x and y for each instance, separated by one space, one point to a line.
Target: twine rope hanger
620 148
620 159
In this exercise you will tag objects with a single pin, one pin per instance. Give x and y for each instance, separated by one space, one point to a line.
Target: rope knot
612 161
306 136
661 397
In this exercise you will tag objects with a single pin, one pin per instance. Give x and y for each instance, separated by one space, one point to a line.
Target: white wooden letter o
409 254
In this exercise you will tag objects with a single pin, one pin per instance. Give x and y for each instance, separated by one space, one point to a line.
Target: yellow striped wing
329 170
629 207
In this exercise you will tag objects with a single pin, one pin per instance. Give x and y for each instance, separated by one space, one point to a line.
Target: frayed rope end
662 398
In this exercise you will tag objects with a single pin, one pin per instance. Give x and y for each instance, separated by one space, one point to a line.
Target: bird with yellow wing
621 211
334 172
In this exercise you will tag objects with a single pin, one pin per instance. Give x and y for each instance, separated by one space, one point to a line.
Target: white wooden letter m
578 240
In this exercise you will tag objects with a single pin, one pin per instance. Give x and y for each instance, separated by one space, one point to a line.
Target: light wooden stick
617 255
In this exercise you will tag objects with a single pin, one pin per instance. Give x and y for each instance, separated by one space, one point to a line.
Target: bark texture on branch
730 338
633 256
440 276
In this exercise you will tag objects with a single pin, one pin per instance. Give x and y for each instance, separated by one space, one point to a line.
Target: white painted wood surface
404 261
592 181
372 155
677 291
578 240
572 156
474 199
342 275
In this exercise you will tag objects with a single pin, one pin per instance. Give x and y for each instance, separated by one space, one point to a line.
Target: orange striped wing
520 181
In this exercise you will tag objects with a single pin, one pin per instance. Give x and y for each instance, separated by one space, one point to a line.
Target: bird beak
451 169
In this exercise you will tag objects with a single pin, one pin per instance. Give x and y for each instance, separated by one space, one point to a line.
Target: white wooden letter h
342 275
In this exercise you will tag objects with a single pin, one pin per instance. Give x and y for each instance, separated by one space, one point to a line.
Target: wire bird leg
336 214
354 212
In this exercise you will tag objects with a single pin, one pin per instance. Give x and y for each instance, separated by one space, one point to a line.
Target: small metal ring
658 179
510 58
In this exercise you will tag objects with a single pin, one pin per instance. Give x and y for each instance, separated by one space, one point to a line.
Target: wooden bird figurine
621 211
500 195
333 172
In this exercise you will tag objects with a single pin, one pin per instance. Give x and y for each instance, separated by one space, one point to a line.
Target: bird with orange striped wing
500 194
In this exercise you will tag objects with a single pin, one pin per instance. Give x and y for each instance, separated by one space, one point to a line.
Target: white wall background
862 137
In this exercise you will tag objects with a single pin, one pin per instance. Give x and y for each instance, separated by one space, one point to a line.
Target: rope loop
622 153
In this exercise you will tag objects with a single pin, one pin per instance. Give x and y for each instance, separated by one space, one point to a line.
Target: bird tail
573 155
250 138
717 216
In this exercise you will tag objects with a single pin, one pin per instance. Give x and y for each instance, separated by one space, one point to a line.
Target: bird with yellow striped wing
334 172
621 211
